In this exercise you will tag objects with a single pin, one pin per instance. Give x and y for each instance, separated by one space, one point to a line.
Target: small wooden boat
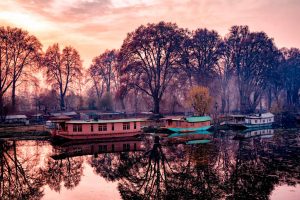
187 124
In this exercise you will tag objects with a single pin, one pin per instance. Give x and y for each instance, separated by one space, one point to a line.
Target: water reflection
156 168
19 174
65 170
223 169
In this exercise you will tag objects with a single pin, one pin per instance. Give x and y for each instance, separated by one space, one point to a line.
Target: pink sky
92 26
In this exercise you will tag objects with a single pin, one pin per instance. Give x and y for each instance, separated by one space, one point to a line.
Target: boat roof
105 121
237 116
189 119
16 117
64 113
198 119
263 115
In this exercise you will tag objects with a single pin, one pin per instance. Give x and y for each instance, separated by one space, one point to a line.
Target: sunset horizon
149 99
94 26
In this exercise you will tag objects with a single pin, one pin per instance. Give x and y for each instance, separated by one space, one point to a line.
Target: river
211 166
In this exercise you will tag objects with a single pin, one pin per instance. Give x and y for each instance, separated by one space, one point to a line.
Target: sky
92 26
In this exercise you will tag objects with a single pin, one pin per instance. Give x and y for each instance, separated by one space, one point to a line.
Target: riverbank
25 132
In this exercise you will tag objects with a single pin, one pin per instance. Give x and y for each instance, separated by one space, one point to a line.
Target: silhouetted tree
291 76
62 68
151 53
252 56
18 50
205 55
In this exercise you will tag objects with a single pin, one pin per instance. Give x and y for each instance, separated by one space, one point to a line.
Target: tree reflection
19 178
68 171
223 169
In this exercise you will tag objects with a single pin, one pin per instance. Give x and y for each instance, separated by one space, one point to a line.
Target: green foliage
200 100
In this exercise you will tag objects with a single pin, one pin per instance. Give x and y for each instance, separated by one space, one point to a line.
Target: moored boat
188 124
251 121
259 120
95 129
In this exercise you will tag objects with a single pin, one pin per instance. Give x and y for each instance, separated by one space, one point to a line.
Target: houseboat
251 121
187 124
95 129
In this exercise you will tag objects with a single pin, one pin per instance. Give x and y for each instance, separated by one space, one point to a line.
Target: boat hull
83 136
258 125
187 130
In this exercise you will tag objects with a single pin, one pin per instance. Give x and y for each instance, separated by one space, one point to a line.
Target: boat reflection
19 177
95 147
154 167
197 137
258 133
221 169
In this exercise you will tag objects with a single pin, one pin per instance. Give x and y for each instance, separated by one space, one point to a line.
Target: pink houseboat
95 129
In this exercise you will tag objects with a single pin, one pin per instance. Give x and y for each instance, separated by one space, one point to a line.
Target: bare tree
205 55
252 55
152 53
62 69
18 51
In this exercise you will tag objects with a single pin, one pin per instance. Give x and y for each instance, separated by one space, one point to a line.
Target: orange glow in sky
92 26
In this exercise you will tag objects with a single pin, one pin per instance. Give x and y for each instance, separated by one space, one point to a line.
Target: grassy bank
28 132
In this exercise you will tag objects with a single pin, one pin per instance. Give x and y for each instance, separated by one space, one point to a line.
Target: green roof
103 121
198 119
198 142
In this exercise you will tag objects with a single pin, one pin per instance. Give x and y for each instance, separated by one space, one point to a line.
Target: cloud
92 26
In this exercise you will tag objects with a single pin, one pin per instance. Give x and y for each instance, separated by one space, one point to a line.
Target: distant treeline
154 69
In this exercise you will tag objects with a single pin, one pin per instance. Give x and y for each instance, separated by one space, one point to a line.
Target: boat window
269 120
126 147
77 128
112 147
255 121
134 125
102 148
264 121
92 128
102 127
126 126
112 126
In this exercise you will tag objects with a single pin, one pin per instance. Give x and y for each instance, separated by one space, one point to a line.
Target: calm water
262 165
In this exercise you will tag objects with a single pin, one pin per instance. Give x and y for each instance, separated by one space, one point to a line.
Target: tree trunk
156 102
13 97
122 104
62 102
223 104
2 112
269 99
242 102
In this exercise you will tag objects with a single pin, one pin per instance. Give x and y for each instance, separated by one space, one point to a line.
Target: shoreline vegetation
24 132
36 132
159 68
